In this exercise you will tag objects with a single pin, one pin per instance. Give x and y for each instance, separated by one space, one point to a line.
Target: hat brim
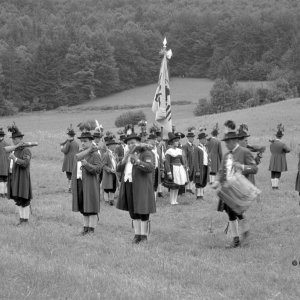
230 138
86 137
112 143
18 135
203 137
132 138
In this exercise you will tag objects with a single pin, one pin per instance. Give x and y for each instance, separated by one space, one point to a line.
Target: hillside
185 256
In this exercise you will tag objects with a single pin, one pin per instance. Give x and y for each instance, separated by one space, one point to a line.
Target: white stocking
86 221
234 228
92 221
26 211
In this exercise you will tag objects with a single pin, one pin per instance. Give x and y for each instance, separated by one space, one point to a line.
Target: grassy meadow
185 257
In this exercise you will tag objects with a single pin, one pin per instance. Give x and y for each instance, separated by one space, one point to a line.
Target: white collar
174 152
233 150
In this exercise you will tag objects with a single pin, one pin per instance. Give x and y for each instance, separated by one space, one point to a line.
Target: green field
185 257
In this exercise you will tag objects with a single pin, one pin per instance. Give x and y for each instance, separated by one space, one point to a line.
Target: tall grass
185 257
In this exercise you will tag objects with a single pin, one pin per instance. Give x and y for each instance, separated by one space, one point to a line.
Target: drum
238 193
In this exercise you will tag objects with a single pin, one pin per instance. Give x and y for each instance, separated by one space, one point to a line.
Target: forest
65 52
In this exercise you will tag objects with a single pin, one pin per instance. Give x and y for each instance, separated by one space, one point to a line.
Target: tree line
66 52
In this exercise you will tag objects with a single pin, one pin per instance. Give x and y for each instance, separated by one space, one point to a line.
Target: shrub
130 117
204 107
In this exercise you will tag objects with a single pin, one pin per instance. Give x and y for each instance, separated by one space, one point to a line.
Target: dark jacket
4 163
189 155
70 149
278 158
19 179
214 149
90 184
108 175
142 185
199 167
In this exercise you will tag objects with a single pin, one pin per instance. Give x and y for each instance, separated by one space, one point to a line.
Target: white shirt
11 164
229 164
156 157
113 160
128 171
205 155
79 170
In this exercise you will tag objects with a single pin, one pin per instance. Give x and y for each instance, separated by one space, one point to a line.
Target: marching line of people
139 166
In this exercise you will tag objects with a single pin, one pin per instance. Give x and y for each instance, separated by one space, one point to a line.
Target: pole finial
165 42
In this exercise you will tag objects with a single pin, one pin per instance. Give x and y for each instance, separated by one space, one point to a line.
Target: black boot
235 243
143 238
85 230
91 230
136 239
21 221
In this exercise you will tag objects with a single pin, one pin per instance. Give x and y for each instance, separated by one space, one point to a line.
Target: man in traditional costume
69 148
214 148
236 159
201 166
4 165
19 182
188 150
109 179
278 162
85 183
136 192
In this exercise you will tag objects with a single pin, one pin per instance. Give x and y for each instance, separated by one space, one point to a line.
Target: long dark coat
199 167
70 149
4 163
214 149
90 184
297 187
19 182
244 157
188 150
107 177
278 156
142 185
119 152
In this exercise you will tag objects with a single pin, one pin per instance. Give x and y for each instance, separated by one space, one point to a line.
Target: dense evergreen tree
62 52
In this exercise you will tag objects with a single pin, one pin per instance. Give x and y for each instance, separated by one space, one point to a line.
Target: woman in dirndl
297 187
176 176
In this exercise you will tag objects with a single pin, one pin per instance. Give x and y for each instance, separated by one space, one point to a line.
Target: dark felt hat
172 137
232 135
86 135
97 134
179 135
243 131
15 132
190 134
132 136
202 135
111 141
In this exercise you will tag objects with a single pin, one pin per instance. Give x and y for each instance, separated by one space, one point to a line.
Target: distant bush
225 97
130 117
204 107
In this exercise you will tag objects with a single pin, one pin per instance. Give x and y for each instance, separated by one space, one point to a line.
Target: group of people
139 166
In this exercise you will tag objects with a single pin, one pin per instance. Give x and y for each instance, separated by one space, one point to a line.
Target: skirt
180 178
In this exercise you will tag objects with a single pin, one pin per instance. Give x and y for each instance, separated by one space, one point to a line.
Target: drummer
239 159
